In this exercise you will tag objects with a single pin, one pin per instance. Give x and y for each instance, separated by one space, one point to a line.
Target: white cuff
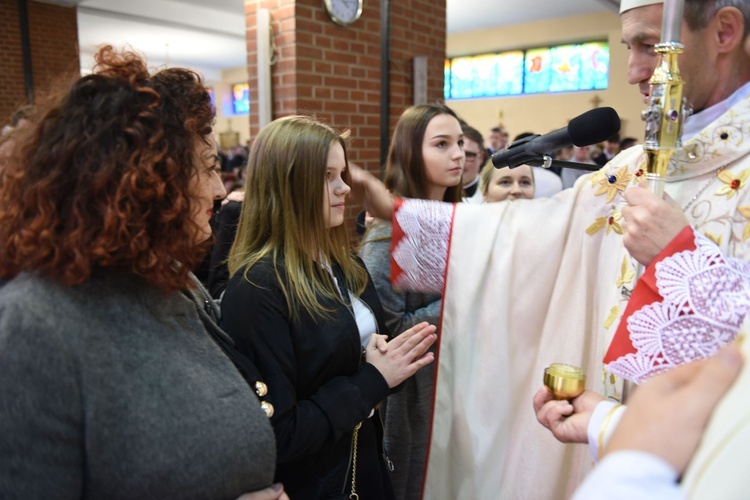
606 414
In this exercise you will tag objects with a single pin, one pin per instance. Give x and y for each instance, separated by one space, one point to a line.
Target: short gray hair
698 13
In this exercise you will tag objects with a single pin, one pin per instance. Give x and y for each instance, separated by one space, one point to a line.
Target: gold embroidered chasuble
534 282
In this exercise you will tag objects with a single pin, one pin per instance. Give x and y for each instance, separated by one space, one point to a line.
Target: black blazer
317 383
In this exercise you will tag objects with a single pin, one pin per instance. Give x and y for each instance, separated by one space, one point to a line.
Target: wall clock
344 12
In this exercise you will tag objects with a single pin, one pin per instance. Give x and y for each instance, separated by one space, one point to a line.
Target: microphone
593 126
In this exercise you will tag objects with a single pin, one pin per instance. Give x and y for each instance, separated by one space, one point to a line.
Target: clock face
344 12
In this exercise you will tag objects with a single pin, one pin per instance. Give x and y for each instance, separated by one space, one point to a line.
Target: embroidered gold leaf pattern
611 222
598 224
626 273
612 183
613 314
596 178
716 239
745 211
732 183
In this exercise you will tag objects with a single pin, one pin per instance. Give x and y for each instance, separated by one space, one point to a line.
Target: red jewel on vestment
611 220
735 184
639 172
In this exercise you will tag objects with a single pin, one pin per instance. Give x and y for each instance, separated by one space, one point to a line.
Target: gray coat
407 413
114 390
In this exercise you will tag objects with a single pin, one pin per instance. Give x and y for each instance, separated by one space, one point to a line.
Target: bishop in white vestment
533 282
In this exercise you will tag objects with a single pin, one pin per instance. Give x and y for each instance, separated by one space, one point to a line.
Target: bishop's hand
567 420
650 223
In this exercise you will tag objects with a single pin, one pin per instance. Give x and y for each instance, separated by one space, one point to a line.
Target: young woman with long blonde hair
304 308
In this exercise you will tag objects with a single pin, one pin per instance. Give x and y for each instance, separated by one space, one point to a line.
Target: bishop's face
641 31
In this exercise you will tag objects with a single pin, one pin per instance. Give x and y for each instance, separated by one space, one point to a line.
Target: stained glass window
561 68
484 75
537 71
510 73
594 65
241 98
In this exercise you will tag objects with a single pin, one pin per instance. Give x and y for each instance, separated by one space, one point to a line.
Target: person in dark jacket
305 309
225 229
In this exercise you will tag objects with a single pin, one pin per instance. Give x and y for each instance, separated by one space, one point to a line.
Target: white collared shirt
702 119
363 315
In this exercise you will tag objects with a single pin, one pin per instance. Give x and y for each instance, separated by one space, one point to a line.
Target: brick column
53 31
334 72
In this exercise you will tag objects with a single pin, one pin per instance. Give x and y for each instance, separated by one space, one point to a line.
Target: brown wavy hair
405 174
102 179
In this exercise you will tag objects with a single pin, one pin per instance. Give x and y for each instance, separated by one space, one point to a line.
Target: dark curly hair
102 179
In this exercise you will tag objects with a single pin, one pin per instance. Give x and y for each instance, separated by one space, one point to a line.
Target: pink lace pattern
706 298
423 251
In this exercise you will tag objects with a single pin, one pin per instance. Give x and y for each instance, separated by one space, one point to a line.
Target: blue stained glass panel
509 79
561 68
594 65
565 68
241 98
537 71
461 78
484 74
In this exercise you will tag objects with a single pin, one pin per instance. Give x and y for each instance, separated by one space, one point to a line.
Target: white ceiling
209 35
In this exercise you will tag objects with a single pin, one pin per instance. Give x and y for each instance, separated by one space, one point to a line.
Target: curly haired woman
117 382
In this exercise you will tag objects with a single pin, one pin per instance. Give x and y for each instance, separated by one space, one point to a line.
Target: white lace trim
423 251
706 298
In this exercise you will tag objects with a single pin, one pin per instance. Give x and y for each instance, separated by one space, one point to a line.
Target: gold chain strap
353 495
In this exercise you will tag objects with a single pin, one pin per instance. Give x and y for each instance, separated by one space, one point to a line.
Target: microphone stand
547 162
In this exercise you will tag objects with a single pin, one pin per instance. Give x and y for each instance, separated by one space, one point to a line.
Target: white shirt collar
476 179
702 119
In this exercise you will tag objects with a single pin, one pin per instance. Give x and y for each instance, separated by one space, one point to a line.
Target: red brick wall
417 29
333 72
53 32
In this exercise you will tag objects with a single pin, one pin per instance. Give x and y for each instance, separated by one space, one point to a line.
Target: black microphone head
596 125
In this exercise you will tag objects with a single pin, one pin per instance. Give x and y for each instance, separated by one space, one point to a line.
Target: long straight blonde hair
282 214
